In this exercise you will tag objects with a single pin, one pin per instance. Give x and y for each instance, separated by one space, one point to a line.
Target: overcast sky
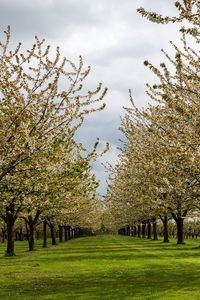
112 38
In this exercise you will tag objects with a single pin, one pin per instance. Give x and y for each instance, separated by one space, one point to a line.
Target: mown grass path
102 267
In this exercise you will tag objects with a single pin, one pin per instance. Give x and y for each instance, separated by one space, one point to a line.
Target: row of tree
47 231
152 230
45 174
158 173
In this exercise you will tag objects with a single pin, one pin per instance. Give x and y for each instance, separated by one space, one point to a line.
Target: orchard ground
101 268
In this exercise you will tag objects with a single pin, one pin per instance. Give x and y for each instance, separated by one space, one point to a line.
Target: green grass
102 267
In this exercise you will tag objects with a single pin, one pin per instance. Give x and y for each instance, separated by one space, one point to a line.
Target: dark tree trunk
65 233
75 233
69 232
144 229
44 234
139 231
53 237
128 230
31 224
149 230
179 226
10 236
80 232
165 229
155 233
125 230
20 235
134 231
60 232
31 240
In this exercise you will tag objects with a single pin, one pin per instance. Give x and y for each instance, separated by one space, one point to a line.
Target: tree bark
31 224
165 229
139 231
128 230
21 235
134 231
10 236
72 233
31 240
60 233
69 233
75 233
65 233
179 226
149 230
143 229
53 237
10 218
44 234
155 233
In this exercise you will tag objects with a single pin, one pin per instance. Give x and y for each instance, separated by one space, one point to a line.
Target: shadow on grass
114 285
103 268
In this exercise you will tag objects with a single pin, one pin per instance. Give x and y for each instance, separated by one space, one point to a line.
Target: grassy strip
102 267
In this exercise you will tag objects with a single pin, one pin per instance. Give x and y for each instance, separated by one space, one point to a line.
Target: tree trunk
53 238
10 236
75 233
165 229
31 239
139 230
21 235
60 233
9 219
149 230
31 225
134 231
179 226
143 230
69 233
44 234
155 234
65 233
72 233
80 232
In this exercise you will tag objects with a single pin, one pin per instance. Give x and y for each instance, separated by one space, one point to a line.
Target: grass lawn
102 267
